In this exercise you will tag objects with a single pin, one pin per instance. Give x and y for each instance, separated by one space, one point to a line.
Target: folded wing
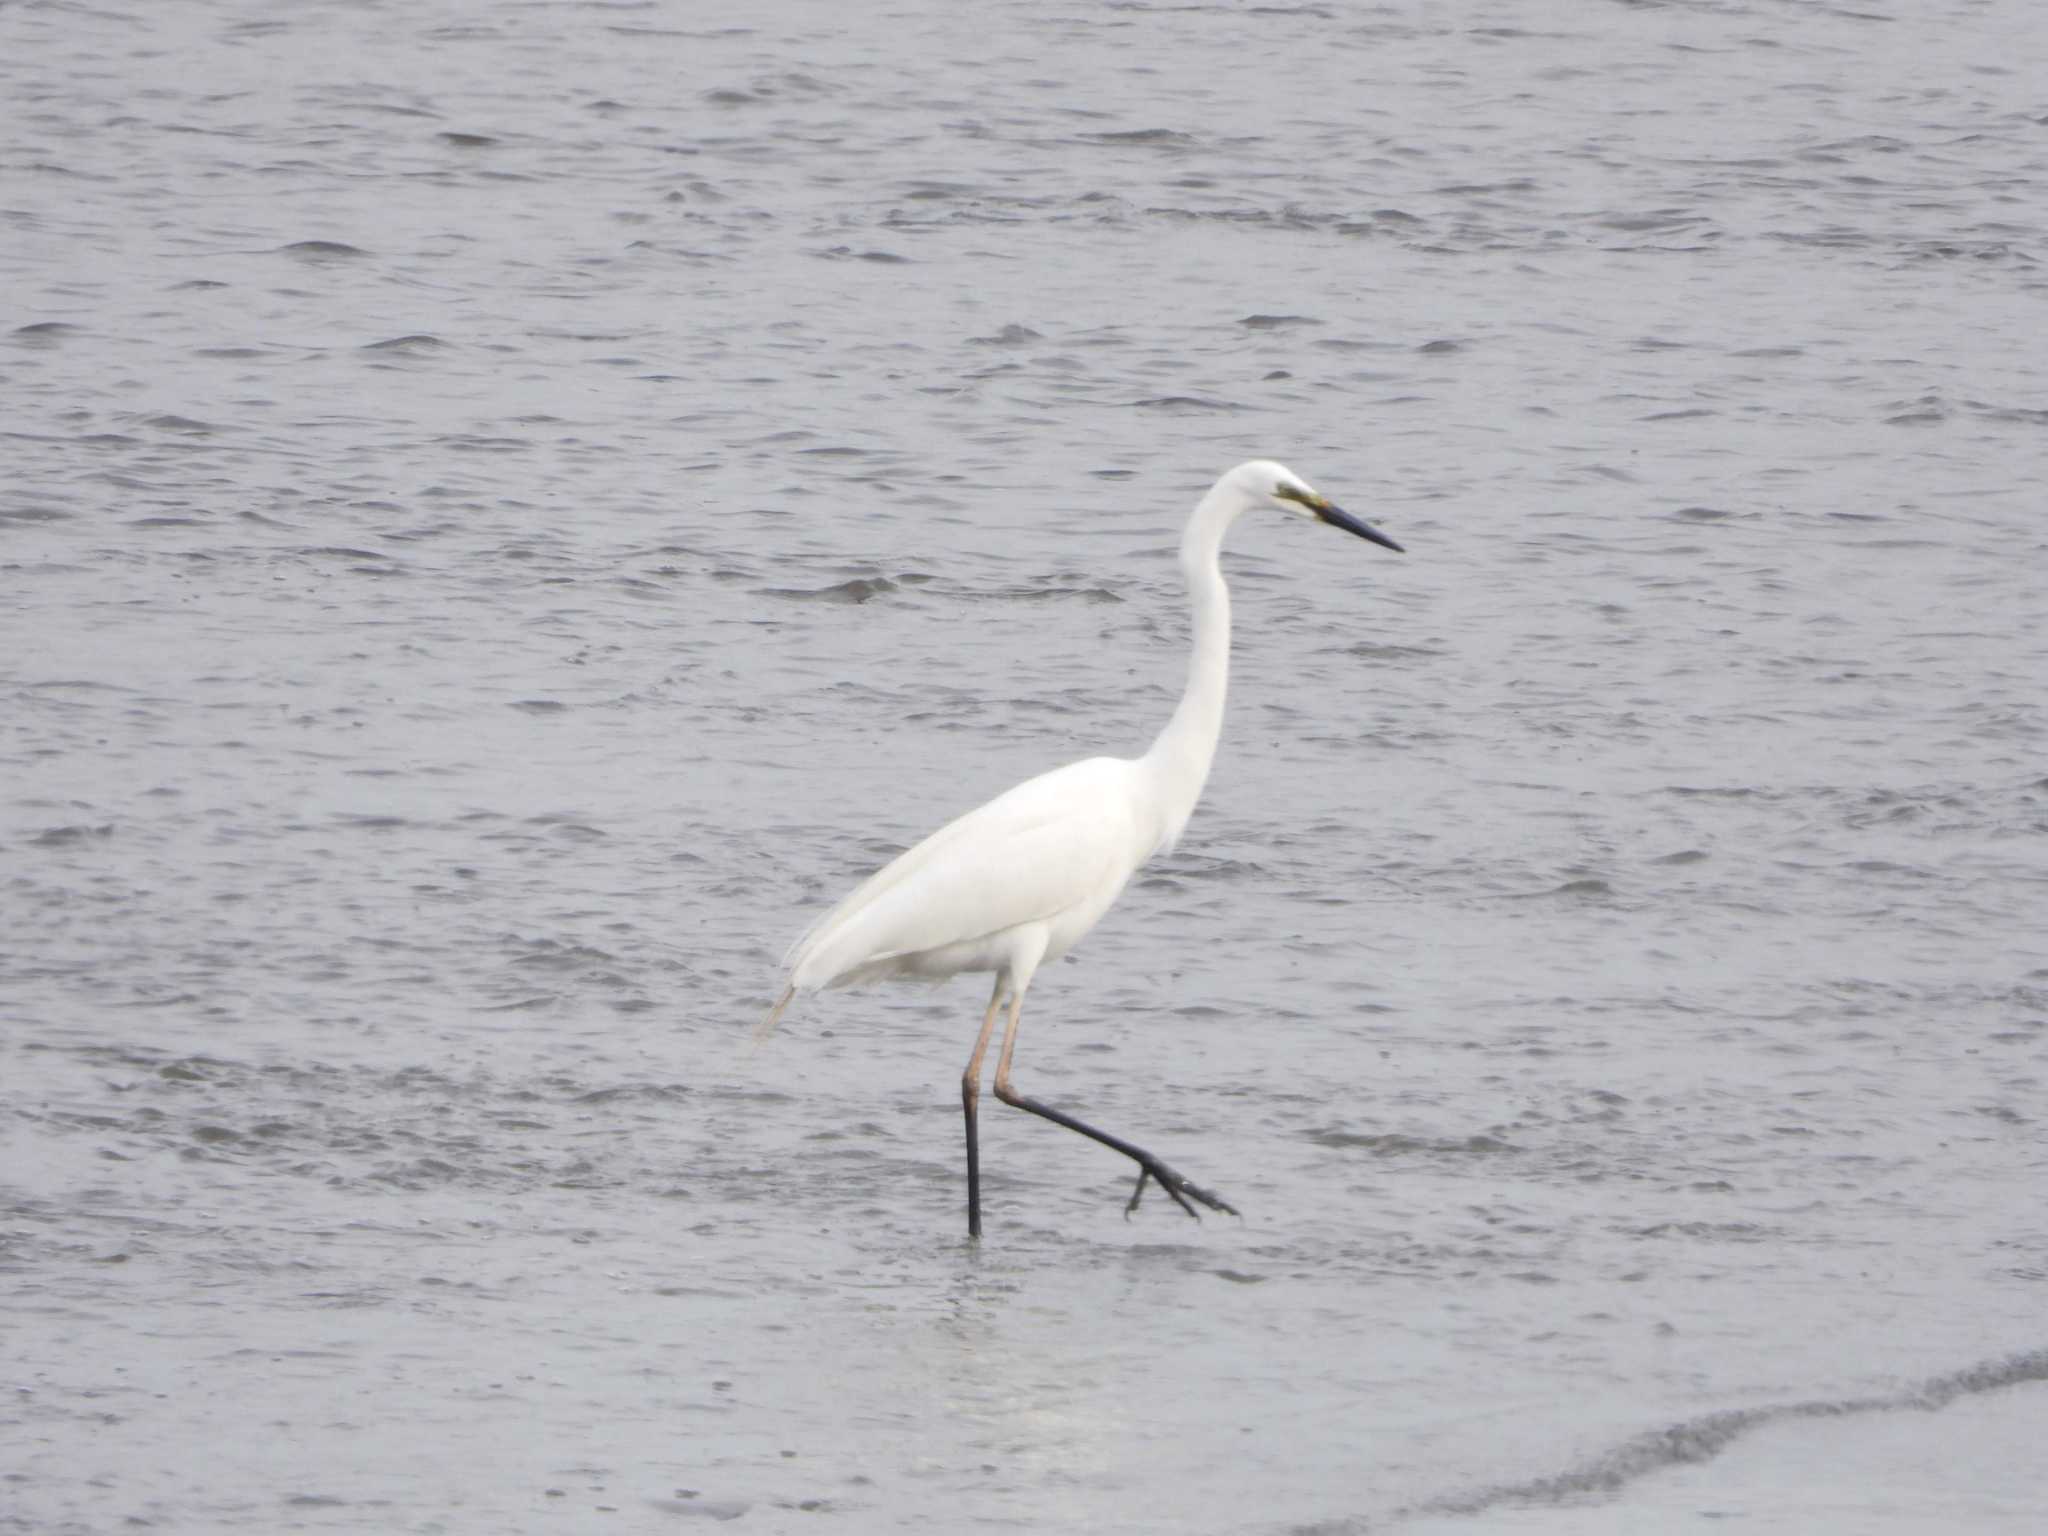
1045 847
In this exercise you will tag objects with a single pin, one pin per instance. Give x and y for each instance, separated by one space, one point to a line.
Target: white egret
1016 883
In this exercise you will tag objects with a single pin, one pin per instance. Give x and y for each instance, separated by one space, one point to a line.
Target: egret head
1262 482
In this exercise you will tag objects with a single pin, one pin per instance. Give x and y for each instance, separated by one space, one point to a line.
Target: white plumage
986 887
1018 881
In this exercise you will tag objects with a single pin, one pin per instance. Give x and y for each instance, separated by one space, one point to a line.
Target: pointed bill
1337 517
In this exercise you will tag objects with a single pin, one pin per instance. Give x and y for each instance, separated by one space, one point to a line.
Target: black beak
1337 517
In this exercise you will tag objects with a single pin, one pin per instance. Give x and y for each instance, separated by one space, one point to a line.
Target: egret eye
1312 503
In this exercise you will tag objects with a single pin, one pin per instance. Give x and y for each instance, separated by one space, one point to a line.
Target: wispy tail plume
767 1025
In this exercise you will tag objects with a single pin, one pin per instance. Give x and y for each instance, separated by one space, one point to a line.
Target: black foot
1149 1167
1176 1186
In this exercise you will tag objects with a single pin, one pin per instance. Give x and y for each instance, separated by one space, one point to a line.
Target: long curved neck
1178 761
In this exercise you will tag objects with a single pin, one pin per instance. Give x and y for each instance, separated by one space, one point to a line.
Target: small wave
69 837
322 250
1376 650
1012 335
848 253
1184 404
1703 1438
342 552
1163 138
1587 886
860 589
635 1093
1087 594
169 422
1392 1143
43 333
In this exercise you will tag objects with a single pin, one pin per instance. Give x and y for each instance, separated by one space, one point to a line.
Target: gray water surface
510 511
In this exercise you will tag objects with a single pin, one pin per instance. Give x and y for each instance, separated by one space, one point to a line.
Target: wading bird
1017 882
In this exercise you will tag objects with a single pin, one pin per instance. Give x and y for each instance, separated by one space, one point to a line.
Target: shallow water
509 514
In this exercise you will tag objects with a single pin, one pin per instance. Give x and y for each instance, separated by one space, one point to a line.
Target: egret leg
970 1095
1149 1167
